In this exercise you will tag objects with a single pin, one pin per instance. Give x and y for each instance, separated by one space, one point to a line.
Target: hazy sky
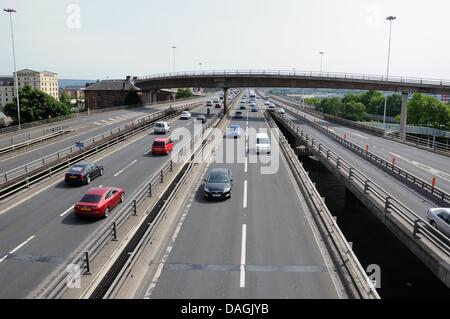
116 38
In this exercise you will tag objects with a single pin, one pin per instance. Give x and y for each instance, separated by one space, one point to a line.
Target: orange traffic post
345 136
433 181
393 161
367 147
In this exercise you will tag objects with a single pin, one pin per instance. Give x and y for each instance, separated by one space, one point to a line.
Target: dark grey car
218 184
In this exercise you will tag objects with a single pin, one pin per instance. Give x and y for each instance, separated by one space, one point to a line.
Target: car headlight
226 190
206 189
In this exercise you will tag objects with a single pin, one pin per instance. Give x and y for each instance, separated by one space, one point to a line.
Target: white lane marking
244 204
246 164
243 248
66 211
100 185
424 167
123 169
22 244
361 136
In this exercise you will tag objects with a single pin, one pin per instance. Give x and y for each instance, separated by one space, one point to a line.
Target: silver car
439 218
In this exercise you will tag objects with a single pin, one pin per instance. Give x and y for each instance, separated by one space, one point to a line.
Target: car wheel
257 153
433 223
122 197
106 214
88 179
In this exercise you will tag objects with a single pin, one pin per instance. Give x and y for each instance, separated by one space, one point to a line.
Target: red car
162 146
218 106
99 201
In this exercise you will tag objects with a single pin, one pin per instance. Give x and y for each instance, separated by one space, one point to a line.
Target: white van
209 103
162 127
262 143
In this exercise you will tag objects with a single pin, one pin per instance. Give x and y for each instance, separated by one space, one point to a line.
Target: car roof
259 135
98 190
161 139
234 125
219 170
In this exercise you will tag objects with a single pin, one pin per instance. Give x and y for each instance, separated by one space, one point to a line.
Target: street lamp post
174 47
321 60
390 19
200 66
11 11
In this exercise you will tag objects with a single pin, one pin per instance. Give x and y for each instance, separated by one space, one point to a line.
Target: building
109 93
44 81
6 90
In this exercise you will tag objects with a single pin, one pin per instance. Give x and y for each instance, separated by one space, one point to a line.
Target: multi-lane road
82 128
260 243
418 203
38 231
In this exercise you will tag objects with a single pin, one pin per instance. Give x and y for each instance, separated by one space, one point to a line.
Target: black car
83 173
218 184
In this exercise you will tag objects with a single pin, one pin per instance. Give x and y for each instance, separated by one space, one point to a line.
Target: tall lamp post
11 11
173 48
200 66
321 60
390 19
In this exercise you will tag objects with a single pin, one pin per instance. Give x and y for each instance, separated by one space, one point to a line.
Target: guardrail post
171 165
416 229
150 189
366 186
114 231
88 265
338 161
386 204
135 206
350 173
6 176
328 154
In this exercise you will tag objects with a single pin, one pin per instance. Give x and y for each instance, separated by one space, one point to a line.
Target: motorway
424 164
84 128
418 203
40 231
260 243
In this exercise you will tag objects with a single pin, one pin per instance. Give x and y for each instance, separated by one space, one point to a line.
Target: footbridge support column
225 101
404 115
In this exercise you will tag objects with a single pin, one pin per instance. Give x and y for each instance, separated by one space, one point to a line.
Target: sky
97 39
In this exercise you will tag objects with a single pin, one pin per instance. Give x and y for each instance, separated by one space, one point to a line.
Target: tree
394 105
36 105
183 93
331 105
132 98
427 110
355 111
312 101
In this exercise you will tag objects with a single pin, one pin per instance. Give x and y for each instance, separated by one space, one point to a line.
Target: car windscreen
262 140
218 177
91 198
159 125
77 169
159 144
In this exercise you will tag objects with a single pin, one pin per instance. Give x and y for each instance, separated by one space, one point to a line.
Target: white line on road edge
244 204
67 211
243 246
246 164
121 171
17 248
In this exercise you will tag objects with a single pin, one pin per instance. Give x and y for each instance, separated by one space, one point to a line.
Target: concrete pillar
403 115
225 100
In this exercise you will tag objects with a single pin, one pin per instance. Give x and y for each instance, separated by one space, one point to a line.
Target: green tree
393 105
355 111
132 98
312 101
36 105
331 105
428 111
183 93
